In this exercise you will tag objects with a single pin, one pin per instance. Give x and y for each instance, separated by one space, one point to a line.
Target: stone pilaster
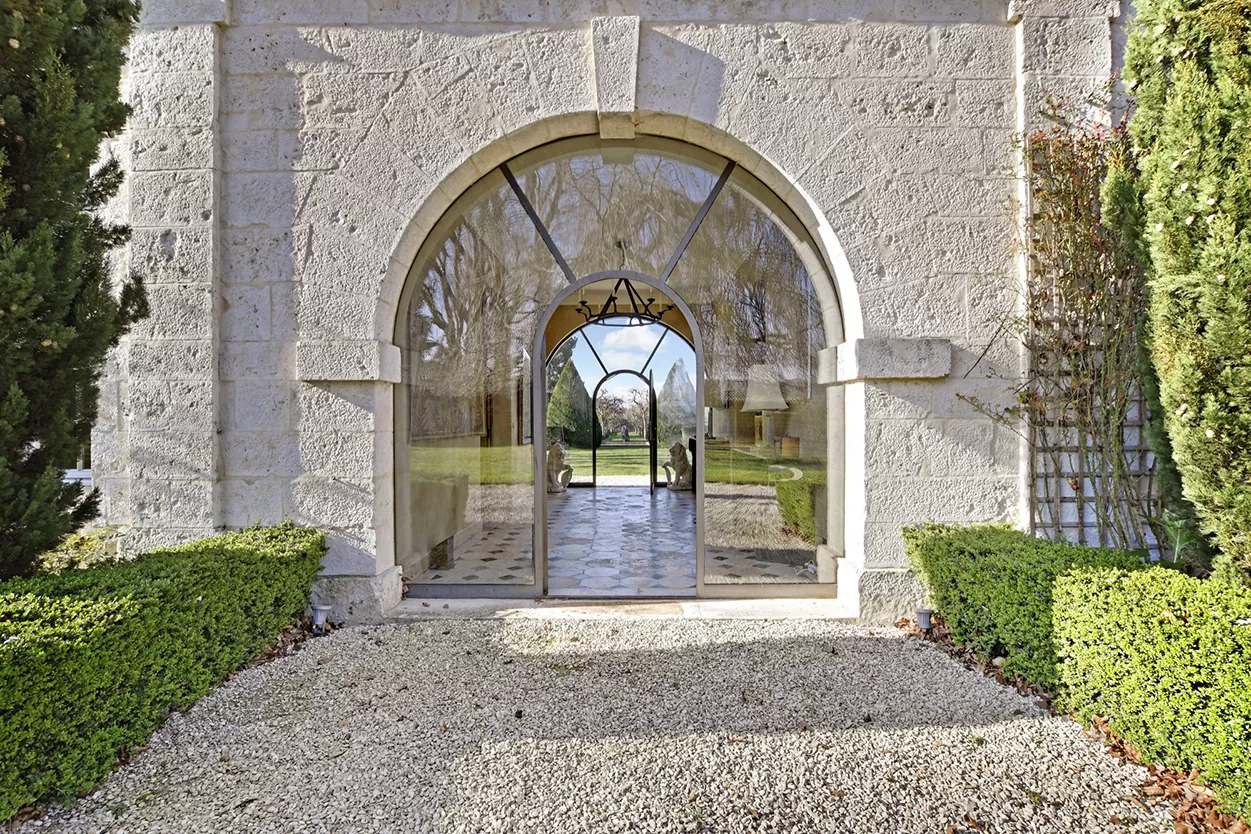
171 414
1064 49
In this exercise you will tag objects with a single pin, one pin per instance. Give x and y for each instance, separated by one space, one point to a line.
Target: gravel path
663 725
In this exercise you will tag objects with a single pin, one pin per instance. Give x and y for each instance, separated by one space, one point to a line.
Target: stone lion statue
678 468
559 473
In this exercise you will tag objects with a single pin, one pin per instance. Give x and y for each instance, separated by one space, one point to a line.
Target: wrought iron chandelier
614 313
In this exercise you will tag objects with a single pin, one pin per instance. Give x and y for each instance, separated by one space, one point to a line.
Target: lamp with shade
764 395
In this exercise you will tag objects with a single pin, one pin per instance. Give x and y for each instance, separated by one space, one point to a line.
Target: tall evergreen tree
60 67
569 407
1189 66
557 361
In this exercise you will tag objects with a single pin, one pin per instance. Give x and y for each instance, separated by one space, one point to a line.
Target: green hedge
798 501
94 660
993 587
1163 657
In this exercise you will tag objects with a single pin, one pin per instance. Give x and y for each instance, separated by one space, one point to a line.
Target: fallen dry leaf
1192 805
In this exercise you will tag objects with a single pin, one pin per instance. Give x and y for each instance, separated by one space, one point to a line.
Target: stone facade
287 158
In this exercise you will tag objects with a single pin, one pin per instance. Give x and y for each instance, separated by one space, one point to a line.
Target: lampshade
763 391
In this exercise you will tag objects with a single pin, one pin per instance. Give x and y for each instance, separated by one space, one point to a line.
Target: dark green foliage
1188 195
1163 657
1183 536
799 502
93 660
60 62
993 585
569 407
557 361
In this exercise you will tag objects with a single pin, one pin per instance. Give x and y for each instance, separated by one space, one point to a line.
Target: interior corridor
621 541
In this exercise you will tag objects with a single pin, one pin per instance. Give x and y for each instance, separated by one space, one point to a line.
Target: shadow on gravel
613 725
571 678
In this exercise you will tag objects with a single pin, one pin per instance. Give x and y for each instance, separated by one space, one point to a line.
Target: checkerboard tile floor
501 554
609 542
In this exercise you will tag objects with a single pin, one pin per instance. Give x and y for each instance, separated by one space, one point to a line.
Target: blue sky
628 347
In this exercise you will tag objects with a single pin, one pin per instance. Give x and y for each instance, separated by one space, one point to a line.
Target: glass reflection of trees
619 209
478 292
752 297
472 317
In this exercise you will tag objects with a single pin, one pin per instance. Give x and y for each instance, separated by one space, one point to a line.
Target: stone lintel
168 12
1111 9
368 361
863 359
615 45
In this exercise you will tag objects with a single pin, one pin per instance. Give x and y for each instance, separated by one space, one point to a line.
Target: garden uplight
320 613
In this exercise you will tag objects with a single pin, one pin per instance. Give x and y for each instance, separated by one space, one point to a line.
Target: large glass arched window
480 290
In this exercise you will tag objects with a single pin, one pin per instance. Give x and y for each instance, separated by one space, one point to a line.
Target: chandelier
615 313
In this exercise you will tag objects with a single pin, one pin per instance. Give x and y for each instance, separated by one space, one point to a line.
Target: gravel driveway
665 725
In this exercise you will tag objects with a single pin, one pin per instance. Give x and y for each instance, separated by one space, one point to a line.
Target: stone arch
809 235
841 296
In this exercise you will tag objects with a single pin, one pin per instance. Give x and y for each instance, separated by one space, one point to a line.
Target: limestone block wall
288 156
156 451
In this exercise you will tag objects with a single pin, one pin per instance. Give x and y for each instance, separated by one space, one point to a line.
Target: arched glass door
605 431
497 285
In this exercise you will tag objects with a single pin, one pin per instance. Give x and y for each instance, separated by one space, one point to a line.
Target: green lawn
611 460
511 464
496 464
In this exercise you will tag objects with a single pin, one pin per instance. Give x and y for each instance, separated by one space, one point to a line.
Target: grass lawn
512 464
497 464
611 460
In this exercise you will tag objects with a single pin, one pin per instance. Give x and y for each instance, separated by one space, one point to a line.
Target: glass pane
571 418
475 301
766 461
617 208
625 537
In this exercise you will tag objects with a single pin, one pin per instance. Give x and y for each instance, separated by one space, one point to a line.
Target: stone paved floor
619 541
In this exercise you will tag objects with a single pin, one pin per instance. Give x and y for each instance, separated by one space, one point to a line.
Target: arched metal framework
668 329
651 425
651 422
539 393
539 414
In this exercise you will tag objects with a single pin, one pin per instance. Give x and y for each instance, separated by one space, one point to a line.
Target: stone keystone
615 43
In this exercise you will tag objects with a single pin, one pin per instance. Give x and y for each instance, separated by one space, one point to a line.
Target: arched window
496 277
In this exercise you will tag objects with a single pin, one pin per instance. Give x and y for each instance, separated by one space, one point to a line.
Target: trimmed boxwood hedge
91 661
993 585
799 501
1164 657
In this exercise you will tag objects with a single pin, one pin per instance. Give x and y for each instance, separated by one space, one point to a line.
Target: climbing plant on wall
60 311
1081 405
1189 183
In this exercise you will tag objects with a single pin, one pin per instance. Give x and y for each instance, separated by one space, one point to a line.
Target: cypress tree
569 406
60 68
1189 67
